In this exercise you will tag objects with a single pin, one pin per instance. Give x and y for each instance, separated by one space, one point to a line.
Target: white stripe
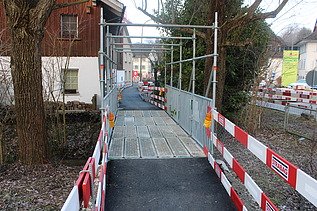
253 188
307 186
72 201
98 199
227 156
96 155
215 115
257 148
215 140
225 182
229 126
211 160
244 208
104 182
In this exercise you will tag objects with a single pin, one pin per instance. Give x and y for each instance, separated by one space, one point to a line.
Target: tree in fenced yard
235 22
26 21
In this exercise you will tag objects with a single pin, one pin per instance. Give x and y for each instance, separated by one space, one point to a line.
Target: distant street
131 100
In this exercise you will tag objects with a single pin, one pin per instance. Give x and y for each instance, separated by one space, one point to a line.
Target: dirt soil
46 187
299 151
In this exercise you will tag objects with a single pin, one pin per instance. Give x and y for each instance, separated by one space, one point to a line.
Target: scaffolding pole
172 58
108 56
152 37
214 82
180 65
165 69
160 25
194 61
101 62
147 44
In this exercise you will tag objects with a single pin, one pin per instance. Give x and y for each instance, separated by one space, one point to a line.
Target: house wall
88 77
307 59
88 81
146 73
275 67
87 43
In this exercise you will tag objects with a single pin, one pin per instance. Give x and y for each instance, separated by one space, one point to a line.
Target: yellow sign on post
290 67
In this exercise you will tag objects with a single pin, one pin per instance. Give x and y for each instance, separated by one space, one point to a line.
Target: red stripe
266 204
238 169
313 101
219 146
205 150
221 120
86 190
236 200
103 199
217 169
282 167
241 136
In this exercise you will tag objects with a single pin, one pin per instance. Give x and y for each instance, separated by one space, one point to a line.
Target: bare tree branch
186 30
273 13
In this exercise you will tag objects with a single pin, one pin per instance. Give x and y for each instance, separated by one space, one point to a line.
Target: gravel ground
299 151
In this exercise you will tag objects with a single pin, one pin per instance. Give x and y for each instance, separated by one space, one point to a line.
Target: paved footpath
155 165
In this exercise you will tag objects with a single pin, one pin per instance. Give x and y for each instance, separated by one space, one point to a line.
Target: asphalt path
131 100
164 184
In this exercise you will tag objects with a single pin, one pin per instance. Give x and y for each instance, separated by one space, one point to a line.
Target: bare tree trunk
26 66
26 21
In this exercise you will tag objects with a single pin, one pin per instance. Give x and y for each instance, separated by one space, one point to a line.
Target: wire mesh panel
189 111
110 101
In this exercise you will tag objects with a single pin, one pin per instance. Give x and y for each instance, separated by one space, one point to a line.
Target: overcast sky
301 12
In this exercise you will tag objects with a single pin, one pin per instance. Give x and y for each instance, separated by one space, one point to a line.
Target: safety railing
85 194
188 110
295 177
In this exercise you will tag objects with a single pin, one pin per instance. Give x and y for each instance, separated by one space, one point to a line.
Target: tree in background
26 21
238 31
294 34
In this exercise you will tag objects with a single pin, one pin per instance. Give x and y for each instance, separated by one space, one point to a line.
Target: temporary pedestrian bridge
156 159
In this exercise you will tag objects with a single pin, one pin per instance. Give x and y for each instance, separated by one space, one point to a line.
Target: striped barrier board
260 197
158 88
296 178
282 97
225 182
158 104
290 92
159 98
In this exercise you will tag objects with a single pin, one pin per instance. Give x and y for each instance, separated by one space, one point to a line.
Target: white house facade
307 54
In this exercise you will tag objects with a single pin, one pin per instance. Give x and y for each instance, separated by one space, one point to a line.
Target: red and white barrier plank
227 185
260 197
159 98
158 88
158 104
282 97
296 178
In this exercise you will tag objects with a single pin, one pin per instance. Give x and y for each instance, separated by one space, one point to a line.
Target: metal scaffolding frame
107 61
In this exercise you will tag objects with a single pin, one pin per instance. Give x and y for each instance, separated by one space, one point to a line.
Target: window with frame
69 26
136 67
143 67
71 81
